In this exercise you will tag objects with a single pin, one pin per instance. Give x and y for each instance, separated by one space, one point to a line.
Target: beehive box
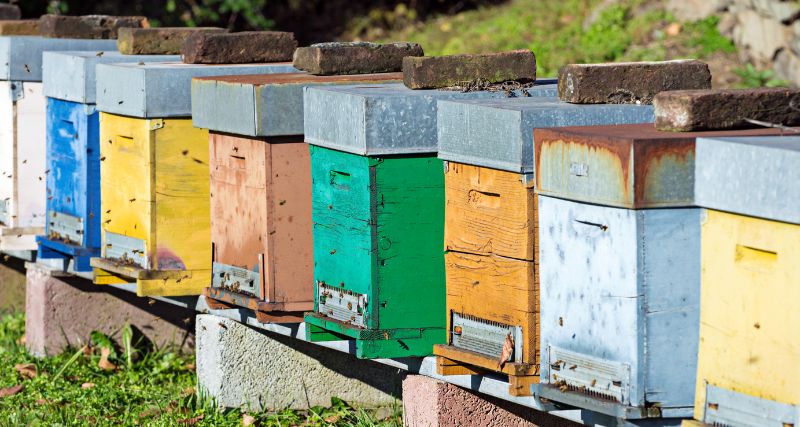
748 359
155 177
491 227
72 230
610 271
22 136
378 194
261 189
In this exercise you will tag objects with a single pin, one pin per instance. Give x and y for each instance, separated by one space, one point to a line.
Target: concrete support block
62 311
428 402
240 366
12 285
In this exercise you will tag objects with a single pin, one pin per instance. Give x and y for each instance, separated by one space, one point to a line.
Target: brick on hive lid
246 47
9 12
338 58
436 72
694 110
629 82
19 27
157 41
88 26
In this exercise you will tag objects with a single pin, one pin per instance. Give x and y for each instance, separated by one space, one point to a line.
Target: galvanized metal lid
753 176
70 75
499 133
157 90
21 56
383 119
263 105
628 166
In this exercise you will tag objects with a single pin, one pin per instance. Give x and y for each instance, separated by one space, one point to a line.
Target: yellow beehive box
155 205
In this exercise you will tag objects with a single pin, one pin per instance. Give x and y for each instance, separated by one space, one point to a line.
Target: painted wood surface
750 319
22 163
261 205
155 187
489 211
378 228
622 286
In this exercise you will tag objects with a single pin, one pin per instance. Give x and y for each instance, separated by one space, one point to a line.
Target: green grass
149 388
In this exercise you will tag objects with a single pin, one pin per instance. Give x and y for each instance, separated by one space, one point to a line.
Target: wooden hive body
73 183
155 205
22 165
379 270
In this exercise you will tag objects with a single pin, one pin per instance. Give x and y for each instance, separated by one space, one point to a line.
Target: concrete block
9 11
157 41
248 47
240 366
629 82
12 284
498 133
70 76
263 105
27 27
87 27
162 90
432 72
354 57
753 176
21 56
62 311
690 110
382 119
428 402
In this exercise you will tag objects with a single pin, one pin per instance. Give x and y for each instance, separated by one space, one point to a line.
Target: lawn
102 384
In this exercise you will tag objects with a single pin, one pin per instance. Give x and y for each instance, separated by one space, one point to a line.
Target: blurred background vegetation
559 32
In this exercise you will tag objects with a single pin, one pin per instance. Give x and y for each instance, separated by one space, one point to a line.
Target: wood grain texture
261 205
489 211
497 289
749 308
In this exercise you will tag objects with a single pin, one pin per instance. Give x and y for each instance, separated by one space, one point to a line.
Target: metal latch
484 336
61 226
733 409
342 304
125 249
236 279
589 375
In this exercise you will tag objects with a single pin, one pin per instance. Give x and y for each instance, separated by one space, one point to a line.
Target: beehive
155 177
72 230
748 358
378 194
491 228
22 136
620 279
261 189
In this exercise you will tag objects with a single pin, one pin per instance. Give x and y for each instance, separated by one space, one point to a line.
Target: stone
354 57
786 65
694 110
88 26
9 11
243 367
61 312
785 11
757 37
239 48
629 82
157 41
434 72
428 402
691 10
26 27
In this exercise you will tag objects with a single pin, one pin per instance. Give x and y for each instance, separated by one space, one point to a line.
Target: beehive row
593 259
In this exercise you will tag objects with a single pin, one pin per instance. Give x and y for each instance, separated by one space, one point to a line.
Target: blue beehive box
72 230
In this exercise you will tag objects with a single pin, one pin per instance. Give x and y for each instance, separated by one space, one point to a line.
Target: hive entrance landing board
22 165
261 223
378 228
155 205
73 184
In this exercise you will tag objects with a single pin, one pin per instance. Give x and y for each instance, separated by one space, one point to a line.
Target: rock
434 72
695 110
691 10
757 36
157 41
87 27
26 27
786 66
629 82
9 11
784 11
354 58
239 48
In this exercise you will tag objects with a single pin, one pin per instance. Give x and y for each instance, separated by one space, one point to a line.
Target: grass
134 386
